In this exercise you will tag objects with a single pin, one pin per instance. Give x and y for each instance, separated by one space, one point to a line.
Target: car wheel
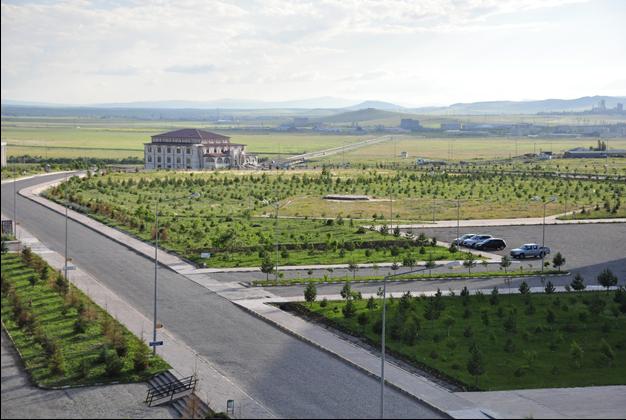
521 256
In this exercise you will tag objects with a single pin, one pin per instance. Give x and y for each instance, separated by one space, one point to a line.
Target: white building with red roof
193 149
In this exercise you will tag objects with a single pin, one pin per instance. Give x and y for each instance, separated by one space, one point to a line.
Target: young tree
475 364
577 354
449 321
607 352
4 247
353 268
371 303
469 262
558 261
578 284
430 264
32 279
549 289
494 298
524 289
267 267
310 293
349 309
346 291
505 263
409 261
607 279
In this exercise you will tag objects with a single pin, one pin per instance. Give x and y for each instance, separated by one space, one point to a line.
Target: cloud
191 68
59 50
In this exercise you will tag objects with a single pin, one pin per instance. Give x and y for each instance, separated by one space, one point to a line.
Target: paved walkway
550 220
601 402
21 400
213 387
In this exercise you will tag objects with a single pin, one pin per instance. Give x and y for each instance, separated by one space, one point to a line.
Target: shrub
141 359
349 309
57 363
114 364
363 318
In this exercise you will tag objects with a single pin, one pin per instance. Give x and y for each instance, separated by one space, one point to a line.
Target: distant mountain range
339 105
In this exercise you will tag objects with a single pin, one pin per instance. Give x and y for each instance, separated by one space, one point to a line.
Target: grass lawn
233 216
64 338
533 341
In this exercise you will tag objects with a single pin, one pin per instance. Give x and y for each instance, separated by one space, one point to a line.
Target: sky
410 52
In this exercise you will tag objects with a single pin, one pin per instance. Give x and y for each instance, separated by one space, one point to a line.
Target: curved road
289 377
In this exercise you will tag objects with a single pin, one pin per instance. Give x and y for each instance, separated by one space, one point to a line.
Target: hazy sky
419 52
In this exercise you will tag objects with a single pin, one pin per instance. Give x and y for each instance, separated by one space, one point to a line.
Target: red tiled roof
193 134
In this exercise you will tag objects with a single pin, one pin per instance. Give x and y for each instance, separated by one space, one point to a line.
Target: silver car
471 242
530 251
459 241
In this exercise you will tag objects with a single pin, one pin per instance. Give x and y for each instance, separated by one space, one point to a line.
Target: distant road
335 150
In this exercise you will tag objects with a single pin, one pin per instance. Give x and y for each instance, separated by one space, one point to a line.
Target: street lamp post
156 263
382 351
543 230
66 227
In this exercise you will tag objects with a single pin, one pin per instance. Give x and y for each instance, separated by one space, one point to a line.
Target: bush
57 363
363 318
114 364
349 309
141 359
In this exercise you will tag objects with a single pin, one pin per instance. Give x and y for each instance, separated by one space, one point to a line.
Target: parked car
459 241
493 244
471 242
530 251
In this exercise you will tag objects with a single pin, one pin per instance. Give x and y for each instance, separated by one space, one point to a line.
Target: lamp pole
66 228
382 351
156 263
15 204
156 273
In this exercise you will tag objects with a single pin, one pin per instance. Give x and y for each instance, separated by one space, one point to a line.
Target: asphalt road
291 378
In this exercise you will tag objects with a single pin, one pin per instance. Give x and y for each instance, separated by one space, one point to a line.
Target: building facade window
149 158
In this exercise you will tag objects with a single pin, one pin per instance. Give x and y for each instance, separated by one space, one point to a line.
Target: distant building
582 152
404 155
410 124
451 126
195 149
4 154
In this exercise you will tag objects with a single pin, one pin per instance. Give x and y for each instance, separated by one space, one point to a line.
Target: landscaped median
63 338
405 277
492 341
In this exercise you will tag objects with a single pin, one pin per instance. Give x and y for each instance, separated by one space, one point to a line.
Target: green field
64 338
73 138
522 341
468 149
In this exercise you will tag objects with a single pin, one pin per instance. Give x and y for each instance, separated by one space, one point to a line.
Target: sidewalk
530 221
213 387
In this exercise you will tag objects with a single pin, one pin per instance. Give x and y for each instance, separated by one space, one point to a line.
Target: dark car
492 244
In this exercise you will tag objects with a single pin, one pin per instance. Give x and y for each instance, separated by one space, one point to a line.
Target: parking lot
588 249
